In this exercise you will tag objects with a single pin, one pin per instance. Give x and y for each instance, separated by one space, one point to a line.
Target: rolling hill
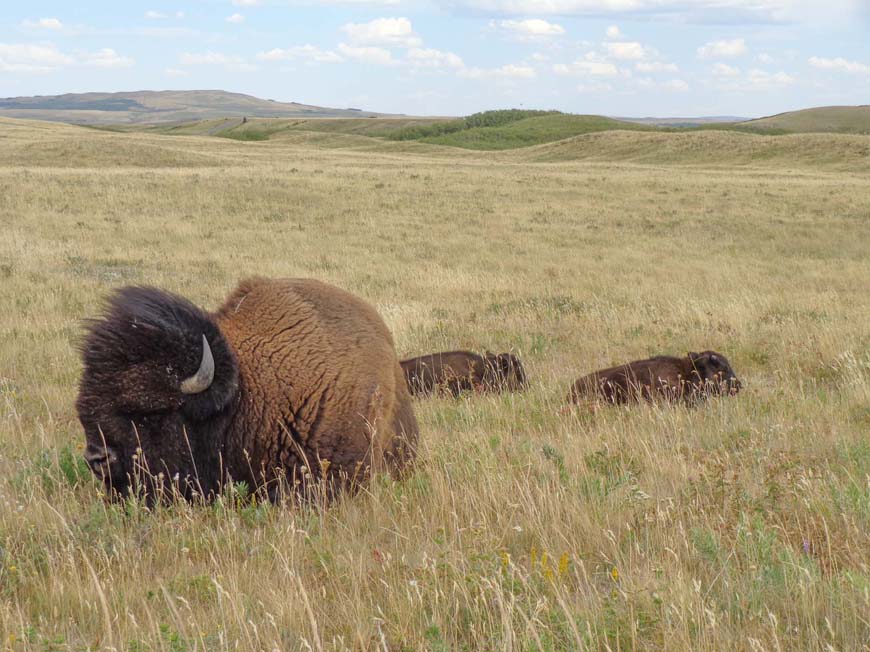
155 107
830 119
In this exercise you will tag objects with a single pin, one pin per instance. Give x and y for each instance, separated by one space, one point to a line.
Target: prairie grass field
743 524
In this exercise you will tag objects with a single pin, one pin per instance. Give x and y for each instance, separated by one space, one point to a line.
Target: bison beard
290 381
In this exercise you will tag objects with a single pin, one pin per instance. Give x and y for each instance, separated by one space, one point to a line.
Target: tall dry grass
742 525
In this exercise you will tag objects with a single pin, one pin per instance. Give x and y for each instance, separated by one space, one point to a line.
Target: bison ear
693 356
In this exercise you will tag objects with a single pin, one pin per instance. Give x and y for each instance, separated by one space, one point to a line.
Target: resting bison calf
663 376
455 371
289 380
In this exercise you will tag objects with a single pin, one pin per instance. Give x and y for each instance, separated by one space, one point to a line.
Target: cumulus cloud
529 29
839 64
723 49
32 58
235 19
724 70
713 11
44 23
626 50
155 15
762 79
106 58
246 3
375 55
507 72
655 66
304 52
176 72
389 32
43 58
614 32
431 58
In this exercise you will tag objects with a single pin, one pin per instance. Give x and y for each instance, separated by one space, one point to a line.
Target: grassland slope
740 524
836 119
711 148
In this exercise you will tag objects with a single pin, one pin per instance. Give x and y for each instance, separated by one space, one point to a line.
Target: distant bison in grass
686 379
290 380
458 371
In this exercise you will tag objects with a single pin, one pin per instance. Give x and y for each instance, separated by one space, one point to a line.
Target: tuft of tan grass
741 525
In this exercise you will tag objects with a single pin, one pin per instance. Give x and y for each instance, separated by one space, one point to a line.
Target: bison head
505 371
157 383
715 372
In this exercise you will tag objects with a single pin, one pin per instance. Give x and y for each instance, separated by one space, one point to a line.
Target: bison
290 381
455 371
671 378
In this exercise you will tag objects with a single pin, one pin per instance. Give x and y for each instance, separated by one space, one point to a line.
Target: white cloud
390 32
614 32
677 85
723 49
176 72
106 58
307 52
839 64
246 3
539 57
155 15
724 70
626 50
531 28
378 56
44 23
430 58
44 58
179 14
587 69
655 66
762 79
30 58
235 19
714 11
764 57
509 71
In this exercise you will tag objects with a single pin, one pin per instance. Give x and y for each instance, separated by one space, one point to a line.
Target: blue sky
451 57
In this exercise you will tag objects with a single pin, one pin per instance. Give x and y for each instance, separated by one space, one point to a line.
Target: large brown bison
670 378
290 380
457 371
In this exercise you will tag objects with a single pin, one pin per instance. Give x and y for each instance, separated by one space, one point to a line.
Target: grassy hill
838 119
490 130
152 107
531 131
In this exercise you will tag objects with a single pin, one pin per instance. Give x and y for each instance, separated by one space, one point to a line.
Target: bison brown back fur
306 385
457 371
666 377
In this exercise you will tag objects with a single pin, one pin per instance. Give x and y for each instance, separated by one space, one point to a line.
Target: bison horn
201 380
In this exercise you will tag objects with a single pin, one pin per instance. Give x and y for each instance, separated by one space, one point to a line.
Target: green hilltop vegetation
504 129
489 130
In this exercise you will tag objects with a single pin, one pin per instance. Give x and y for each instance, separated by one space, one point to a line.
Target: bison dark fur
457 371
304 384
687 379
